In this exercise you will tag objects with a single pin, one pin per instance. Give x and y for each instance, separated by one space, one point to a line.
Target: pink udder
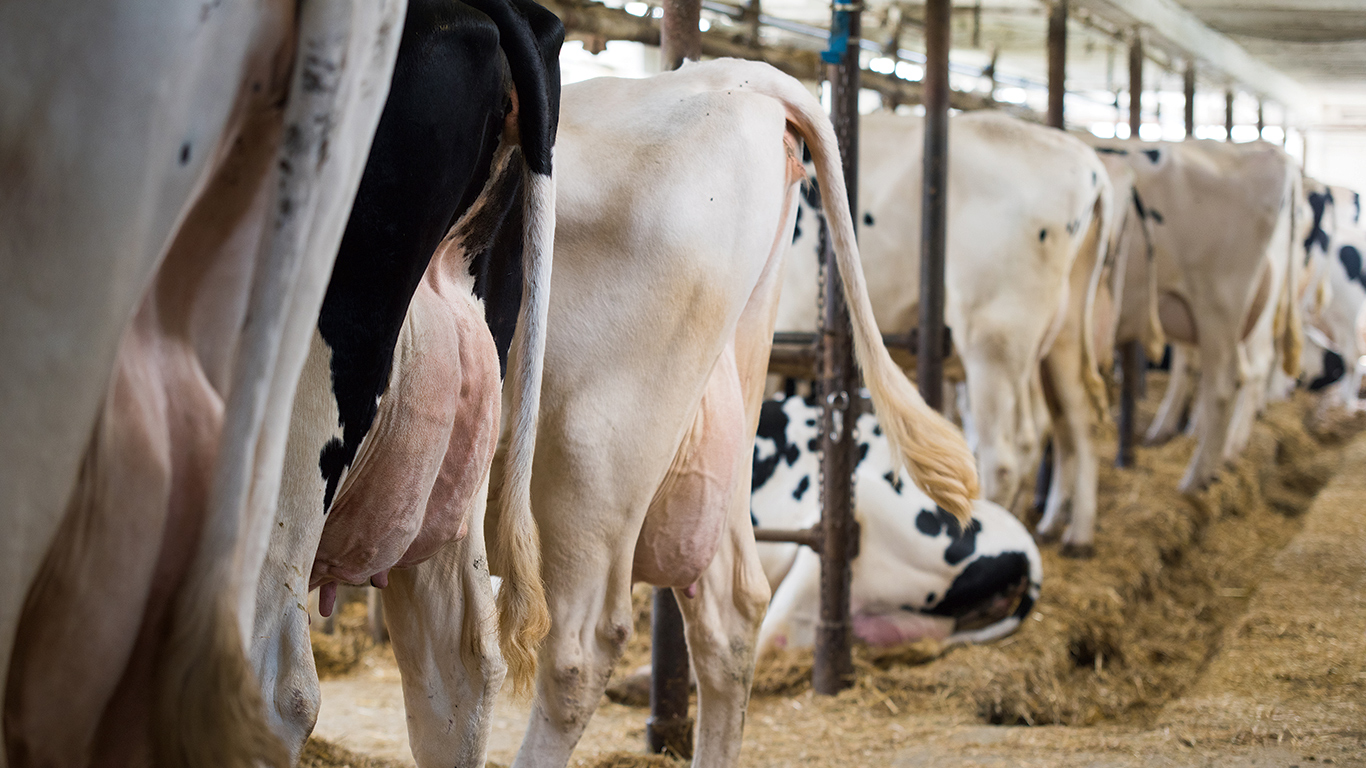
887 629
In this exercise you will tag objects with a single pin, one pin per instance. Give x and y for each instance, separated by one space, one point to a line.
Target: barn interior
1158 650
1296 67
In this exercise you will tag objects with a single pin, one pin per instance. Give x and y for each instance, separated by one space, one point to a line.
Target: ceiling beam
1176 27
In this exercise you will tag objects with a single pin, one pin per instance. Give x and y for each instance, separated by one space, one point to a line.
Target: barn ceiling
1318 44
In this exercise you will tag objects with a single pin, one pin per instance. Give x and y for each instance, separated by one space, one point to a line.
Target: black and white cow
919 573
1335 301
441 284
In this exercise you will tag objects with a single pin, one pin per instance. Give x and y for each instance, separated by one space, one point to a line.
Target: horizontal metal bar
794 352
807 537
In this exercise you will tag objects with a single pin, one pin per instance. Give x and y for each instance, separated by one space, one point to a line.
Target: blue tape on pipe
839 39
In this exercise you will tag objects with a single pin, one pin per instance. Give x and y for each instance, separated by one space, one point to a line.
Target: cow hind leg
1168 420
722 621
450 678
1219 383
1076 468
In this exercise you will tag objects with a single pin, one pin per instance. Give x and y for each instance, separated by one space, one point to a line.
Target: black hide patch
1350 258
1154 155
1334 368
802 487
964 542
772 426
1318 203
982 580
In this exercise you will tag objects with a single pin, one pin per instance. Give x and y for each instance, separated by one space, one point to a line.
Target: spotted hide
440 284
1335 300
919 573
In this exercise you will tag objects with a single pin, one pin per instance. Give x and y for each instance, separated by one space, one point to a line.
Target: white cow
1223 220
918 574
175 180
1029 216
676 198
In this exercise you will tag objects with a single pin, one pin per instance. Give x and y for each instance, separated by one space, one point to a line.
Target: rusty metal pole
1190 99
669 727
1131 363
934 203
833 667
1228 115
1057 63
680 37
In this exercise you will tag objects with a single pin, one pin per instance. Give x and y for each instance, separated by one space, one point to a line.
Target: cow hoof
1046 536
1078 551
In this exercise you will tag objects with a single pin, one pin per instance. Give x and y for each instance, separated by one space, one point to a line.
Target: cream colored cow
676 198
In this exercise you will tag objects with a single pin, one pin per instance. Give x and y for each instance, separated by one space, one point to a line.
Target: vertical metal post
1190 99
669 727
833 667
1131 352
934 204
1261 118
1135 84
1228 115
680 37
1057 62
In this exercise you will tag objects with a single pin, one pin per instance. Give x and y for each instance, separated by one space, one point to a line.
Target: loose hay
636 760
319 753
1114 637
341 652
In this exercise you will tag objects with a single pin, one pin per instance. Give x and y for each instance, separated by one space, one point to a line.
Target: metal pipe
807 537
1135 84
680 37
1131 353
1057 63
669 728
1228 115
1132 365
934 203
833 667
1261 118
1190 99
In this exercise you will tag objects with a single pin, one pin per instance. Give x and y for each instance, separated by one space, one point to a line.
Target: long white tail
523 618
931 448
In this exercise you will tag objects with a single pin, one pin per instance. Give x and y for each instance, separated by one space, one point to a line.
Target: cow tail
1098 238
927 444
523 617
1292 328
531 37
1156 340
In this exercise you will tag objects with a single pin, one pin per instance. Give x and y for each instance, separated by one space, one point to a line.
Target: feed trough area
1225 628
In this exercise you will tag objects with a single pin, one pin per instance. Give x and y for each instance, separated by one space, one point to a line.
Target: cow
173 184
1336 296
675 204
1018 293
918 574
1222 220
439 290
